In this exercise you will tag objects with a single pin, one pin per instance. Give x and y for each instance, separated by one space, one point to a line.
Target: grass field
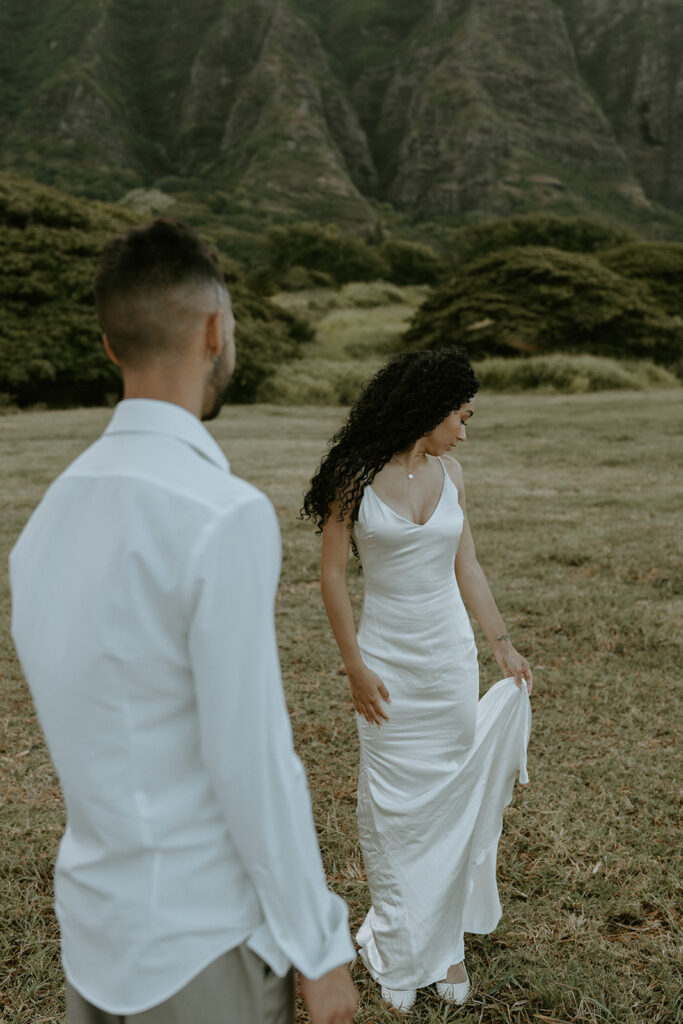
356 327
574 503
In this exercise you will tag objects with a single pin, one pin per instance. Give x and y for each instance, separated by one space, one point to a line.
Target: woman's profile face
450 431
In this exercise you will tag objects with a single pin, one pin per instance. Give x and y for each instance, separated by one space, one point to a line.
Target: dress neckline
412 522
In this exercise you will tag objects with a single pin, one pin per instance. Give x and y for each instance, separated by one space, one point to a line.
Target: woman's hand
368 691
512 663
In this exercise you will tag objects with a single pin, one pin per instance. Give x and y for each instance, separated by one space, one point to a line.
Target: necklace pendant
410 476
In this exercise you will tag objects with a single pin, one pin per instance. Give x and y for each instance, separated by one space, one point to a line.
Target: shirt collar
150 416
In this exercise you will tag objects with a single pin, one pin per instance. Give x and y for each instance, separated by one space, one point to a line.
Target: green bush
571 234
267 336
658 264
297 279
328 255
50 345
172 184
528 300
412 263
322 248
317 382
24 203
571 374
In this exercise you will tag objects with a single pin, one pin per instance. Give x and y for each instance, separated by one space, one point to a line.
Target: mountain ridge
445 109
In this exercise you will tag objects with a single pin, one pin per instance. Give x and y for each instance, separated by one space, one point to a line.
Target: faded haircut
150 286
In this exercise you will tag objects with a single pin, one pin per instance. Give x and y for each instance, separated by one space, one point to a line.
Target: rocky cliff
438 107
630 55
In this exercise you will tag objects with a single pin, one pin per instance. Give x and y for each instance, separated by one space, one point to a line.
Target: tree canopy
534 299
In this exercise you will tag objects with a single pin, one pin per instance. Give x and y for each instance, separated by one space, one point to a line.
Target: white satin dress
434 780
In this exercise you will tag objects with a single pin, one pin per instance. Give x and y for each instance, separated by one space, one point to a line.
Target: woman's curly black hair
405 400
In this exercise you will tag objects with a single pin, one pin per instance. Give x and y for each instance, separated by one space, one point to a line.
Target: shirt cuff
339 948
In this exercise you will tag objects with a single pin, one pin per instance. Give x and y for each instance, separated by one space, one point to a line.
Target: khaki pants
237 988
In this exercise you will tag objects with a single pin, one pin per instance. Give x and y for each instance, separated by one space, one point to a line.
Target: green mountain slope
441 108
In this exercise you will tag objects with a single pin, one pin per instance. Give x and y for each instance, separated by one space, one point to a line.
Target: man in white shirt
189 882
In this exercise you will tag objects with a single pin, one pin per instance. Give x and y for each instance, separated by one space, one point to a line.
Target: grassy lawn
575 507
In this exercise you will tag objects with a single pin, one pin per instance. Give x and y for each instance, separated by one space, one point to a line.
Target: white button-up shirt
142 613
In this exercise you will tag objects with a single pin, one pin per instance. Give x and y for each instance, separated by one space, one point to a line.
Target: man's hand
331 999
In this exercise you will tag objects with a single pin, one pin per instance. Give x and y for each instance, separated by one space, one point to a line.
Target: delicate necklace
411 476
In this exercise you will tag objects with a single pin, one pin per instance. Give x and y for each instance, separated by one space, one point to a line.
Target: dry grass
356 328
574 503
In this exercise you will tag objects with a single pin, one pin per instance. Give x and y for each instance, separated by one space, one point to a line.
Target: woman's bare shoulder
453 468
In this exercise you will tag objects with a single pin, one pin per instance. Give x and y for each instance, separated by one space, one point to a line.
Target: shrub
23 203
267 336
317 382
50 346
571 374
412 263
571 234
297 279
325 249
658 264
527 300
173 184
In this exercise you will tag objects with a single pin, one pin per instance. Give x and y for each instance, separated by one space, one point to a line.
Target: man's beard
218 384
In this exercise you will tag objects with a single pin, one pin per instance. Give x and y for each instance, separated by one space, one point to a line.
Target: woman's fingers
517 666
518 674
373 712
376 715
377 702
523 674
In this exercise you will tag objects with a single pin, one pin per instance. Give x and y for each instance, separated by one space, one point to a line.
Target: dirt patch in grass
575 508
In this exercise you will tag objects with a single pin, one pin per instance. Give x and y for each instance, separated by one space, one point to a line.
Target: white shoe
401 999
453 992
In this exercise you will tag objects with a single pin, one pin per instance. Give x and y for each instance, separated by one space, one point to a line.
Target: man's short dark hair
135 284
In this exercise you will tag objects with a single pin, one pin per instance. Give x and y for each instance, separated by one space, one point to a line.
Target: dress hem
434 977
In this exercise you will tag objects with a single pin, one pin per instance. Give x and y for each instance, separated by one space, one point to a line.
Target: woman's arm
367 689
477 594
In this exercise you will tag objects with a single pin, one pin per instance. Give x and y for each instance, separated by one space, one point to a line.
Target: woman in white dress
437 766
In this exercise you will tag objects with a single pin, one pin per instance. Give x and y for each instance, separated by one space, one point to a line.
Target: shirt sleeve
246 738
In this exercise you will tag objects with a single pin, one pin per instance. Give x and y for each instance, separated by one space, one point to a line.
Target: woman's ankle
457 974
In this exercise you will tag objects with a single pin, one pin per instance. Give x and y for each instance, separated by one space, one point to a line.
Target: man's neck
179 390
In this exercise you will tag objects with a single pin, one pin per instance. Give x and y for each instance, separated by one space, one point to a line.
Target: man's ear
110 351
213 334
